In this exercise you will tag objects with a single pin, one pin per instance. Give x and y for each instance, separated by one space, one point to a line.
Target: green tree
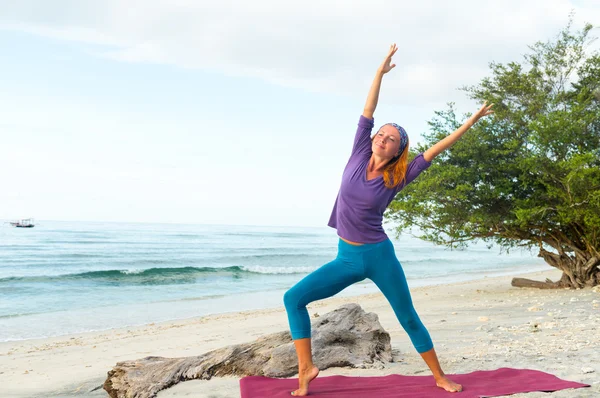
528 177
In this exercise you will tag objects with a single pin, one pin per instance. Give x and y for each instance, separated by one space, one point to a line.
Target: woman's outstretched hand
484 111
387 65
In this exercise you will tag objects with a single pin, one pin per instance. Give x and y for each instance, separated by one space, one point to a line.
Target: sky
232 112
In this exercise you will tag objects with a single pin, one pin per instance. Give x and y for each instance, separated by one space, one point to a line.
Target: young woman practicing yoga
377 170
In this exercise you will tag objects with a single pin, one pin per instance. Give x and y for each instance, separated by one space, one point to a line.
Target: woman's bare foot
305 377
447 384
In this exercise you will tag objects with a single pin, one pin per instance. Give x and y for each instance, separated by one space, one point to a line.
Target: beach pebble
587 370
574 299
534 327
483 319
454 313
535 308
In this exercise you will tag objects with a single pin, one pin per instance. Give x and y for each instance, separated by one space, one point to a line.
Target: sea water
69 277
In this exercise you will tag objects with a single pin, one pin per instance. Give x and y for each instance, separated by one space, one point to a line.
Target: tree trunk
578 272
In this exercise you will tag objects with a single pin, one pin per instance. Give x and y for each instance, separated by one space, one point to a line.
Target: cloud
332 46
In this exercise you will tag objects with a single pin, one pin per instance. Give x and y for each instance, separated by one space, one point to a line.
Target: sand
477 325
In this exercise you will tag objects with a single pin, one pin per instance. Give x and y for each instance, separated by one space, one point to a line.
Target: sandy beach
477 325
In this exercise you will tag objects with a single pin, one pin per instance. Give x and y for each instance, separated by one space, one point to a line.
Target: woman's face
386 142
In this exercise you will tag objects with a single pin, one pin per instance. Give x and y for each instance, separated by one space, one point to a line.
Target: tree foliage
528 176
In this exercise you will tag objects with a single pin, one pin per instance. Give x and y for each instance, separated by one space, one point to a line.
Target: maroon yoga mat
483 383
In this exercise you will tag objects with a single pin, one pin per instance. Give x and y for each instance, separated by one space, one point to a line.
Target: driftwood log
347 336
548 284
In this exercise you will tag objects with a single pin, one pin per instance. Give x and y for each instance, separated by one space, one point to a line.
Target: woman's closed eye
390 138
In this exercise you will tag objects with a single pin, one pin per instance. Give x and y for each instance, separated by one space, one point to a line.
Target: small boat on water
24 223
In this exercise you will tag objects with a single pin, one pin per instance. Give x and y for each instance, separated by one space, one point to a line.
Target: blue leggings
376 261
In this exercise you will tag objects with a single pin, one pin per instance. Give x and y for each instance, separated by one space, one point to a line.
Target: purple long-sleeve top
358 210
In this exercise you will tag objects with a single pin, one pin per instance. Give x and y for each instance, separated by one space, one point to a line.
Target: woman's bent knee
290 299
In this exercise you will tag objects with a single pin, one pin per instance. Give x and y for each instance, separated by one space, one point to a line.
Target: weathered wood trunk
346 336
579 270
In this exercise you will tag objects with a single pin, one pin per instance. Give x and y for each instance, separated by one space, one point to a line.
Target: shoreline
462 317
252 301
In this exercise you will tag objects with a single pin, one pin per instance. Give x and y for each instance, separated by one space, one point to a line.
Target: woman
376 172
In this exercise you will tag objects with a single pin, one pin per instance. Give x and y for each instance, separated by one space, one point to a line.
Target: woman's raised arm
445 143
373 97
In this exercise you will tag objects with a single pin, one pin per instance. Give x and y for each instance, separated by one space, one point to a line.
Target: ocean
69 277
